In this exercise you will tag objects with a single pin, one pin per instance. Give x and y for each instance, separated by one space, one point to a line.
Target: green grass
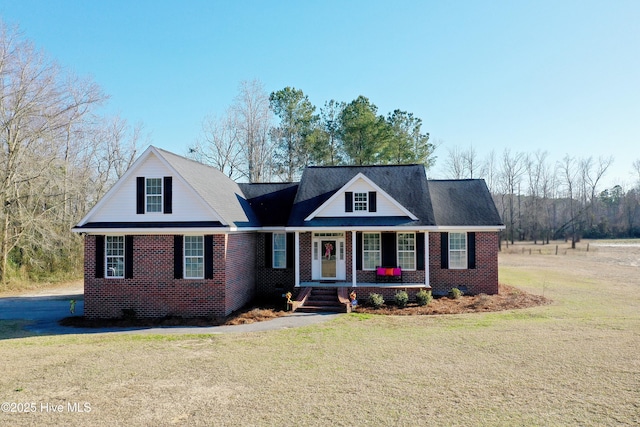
574 362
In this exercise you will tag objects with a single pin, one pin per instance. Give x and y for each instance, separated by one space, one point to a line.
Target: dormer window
360 201
154 194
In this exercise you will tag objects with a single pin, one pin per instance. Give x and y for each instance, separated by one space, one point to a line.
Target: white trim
426 261
184 258
343 189
415 251
479 228
353 259
273 250
297 259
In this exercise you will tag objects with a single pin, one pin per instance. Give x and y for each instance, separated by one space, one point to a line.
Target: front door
328 257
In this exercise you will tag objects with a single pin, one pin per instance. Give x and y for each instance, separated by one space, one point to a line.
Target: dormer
360 197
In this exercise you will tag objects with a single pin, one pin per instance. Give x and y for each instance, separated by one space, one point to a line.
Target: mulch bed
509 298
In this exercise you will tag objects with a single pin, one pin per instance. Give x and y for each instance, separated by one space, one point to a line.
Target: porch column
426 255
353 259
296 258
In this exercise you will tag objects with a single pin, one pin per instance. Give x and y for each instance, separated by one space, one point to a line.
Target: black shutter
348 201
444 250
208 256
388 246
290 249
99 256
420 251
359 250
471 250
373 205
128 257
177 256
140 195
268 250
168 194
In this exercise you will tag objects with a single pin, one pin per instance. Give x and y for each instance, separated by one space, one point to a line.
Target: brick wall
482 279
240 269
270 282
153 291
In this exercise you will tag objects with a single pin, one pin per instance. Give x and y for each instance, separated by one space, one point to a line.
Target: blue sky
561 76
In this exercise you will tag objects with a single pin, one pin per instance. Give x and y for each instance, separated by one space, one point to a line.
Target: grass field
574 362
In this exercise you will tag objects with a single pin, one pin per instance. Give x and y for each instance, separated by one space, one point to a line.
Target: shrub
423 297
376 300
455 293
402 298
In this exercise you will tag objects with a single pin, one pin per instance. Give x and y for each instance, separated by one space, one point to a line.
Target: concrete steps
323 300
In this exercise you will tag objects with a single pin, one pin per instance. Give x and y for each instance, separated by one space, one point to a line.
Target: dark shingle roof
407 184
465 202
270 202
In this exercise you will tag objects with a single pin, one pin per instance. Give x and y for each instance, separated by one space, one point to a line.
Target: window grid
279 250
457 250
407 251
114 252
360 201
194 257
154 194
370 251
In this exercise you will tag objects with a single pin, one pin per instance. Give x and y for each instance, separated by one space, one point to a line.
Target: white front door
328 257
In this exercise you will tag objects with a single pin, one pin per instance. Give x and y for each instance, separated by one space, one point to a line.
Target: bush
376 300
455 293
402 298
423 297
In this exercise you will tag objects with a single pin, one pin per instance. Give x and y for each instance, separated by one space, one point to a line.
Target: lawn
573 362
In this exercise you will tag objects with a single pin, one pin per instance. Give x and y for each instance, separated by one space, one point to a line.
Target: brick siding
153 291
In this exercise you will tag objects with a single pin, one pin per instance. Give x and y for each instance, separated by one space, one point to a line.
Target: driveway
43 310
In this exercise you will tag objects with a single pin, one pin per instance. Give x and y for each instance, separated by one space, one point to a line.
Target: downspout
353 259
297 258
427 257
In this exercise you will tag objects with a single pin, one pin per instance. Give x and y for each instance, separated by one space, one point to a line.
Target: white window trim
465 264
284 250
146 196
364 202
414 251
379 251
107 257
184 259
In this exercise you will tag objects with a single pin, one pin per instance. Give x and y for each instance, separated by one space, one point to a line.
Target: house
176 237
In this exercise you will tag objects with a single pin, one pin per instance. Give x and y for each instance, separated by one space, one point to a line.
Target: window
370 251
279 250
154 194
360 201
407 251
458 250
114 252
193 257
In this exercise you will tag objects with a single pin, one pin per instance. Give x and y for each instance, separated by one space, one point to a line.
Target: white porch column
353 259
296 258
426 255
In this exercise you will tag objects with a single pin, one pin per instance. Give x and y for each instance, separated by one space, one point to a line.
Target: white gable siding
121 207
385 207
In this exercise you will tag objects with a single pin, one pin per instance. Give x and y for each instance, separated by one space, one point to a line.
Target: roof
464 202
219 191
270 202
319 183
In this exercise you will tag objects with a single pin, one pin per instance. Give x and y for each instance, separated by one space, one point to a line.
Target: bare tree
41 109
513 166
220 146
253 119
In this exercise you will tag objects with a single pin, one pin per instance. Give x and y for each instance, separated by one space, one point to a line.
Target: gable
122 203
360 197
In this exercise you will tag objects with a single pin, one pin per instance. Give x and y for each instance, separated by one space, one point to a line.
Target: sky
560 76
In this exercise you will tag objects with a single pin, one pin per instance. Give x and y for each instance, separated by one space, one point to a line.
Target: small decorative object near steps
288 296
353 298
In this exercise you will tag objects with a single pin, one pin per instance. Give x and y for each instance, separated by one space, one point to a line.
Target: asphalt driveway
43 310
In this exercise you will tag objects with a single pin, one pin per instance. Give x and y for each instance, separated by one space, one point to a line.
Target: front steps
323 300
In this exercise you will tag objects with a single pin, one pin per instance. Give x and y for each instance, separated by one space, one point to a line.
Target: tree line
272 137
58 156
540 200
